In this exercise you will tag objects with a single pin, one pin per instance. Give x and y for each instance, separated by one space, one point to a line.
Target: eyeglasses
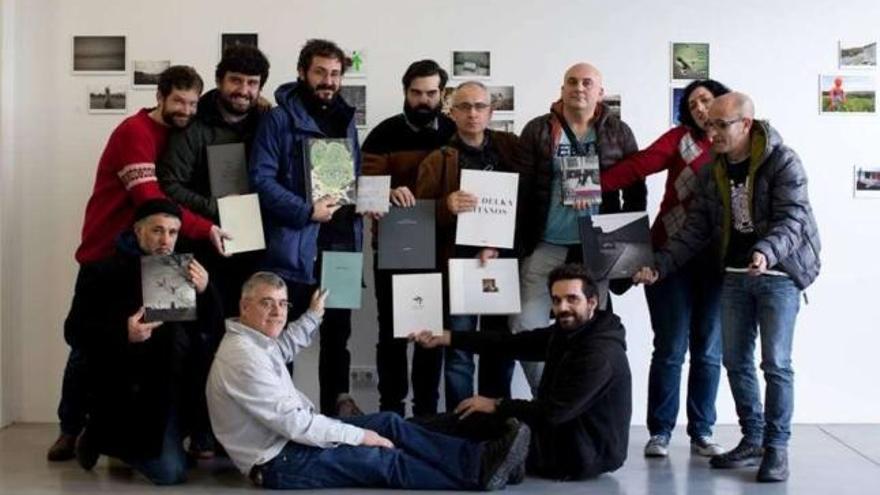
467 107
267 304
721 124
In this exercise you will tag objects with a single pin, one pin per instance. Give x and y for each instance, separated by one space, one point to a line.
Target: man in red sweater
126 178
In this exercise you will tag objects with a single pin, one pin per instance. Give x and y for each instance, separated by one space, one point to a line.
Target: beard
570 320
420 115
176 119
229 104
312 92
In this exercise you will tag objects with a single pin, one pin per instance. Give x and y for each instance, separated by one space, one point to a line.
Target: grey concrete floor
825 459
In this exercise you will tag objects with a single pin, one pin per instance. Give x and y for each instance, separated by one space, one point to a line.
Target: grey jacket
781 212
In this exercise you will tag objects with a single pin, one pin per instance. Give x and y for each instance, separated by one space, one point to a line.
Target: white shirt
252 402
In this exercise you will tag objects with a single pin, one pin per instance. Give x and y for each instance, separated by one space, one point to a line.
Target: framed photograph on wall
504 125
613 102
356 96
98 55
690 61
107 98
145 73
501 98
446 99
358 59
471 64
232 39
857 55
866 182
847 94
675 96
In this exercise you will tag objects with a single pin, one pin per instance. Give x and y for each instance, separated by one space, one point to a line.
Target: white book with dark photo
372 193
493 221
484 290
227 169
240 217
167 291
418 303
580 179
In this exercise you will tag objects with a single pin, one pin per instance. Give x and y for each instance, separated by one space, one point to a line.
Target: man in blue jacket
298 229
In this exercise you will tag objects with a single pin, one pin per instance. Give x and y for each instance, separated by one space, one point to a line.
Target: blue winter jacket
278 175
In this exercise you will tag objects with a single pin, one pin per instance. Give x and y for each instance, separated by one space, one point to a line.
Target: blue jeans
458 371
685 315
169 468
769 303
421 459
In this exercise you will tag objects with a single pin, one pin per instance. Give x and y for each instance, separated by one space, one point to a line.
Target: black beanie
155 206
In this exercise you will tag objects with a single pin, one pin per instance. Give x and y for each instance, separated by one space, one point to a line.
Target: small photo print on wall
855 55
690 61
613 102
107 98
866 183
849 94
99 54
356 96
145 73
358 60
446 100
675 96
501 98
233 39
471 64
502 125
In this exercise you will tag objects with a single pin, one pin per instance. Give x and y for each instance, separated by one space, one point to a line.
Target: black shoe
503 456
86 451
517 475
64 448
743 455
774 465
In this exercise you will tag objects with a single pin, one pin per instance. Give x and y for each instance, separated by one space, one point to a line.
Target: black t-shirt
742 229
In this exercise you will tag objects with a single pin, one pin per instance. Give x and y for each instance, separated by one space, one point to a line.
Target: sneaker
64 448
774 465
657 446
86 451
346 407
502 457
743 455
705 446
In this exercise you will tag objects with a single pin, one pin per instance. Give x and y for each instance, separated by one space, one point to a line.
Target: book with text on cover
580 179
493 221
373 193
342 274
407 237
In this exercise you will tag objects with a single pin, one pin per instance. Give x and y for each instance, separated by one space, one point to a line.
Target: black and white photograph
501 98
145 73
505 125
107 98
857 55
356 96
866 183
616 245
99 54
471 64
167 291
613 102
232 39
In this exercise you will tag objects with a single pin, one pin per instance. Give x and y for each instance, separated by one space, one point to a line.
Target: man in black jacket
147 379
580 418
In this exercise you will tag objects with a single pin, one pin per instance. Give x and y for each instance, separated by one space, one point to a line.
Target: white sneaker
657 446
705 446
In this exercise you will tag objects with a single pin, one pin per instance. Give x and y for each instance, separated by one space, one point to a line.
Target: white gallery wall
773 51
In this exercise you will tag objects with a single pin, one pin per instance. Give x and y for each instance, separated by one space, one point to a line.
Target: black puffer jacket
581 417
786 229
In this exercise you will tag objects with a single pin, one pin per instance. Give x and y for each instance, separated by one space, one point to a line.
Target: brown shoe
64 448
346 407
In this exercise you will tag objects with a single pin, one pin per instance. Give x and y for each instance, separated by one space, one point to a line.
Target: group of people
735 245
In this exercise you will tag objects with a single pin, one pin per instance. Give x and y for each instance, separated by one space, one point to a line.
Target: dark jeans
391 358
421 459
495 372
685 315
73 406
768 304
169 468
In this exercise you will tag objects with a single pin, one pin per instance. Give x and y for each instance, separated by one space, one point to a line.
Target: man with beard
581 413
126 178
298 229
395 147
227 114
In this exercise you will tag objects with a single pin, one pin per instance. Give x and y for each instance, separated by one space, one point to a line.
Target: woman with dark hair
684 307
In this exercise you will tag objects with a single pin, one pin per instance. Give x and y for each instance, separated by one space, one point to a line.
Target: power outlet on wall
363 376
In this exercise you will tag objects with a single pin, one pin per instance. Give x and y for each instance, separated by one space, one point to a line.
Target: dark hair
424 68
157 206
182 77
684 112
244 59
573 271
321 48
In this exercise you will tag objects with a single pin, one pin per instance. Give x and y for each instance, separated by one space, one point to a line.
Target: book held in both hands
493 221
484 290
330 169
418 303
580 179
407 237
168 293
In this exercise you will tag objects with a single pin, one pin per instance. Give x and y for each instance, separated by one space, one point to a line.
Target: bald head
729 125
735 105
582 70
581 91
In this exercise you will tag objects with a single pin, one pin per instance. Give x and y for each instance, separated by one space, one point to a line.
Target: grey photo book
407 237
227 169
168 293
